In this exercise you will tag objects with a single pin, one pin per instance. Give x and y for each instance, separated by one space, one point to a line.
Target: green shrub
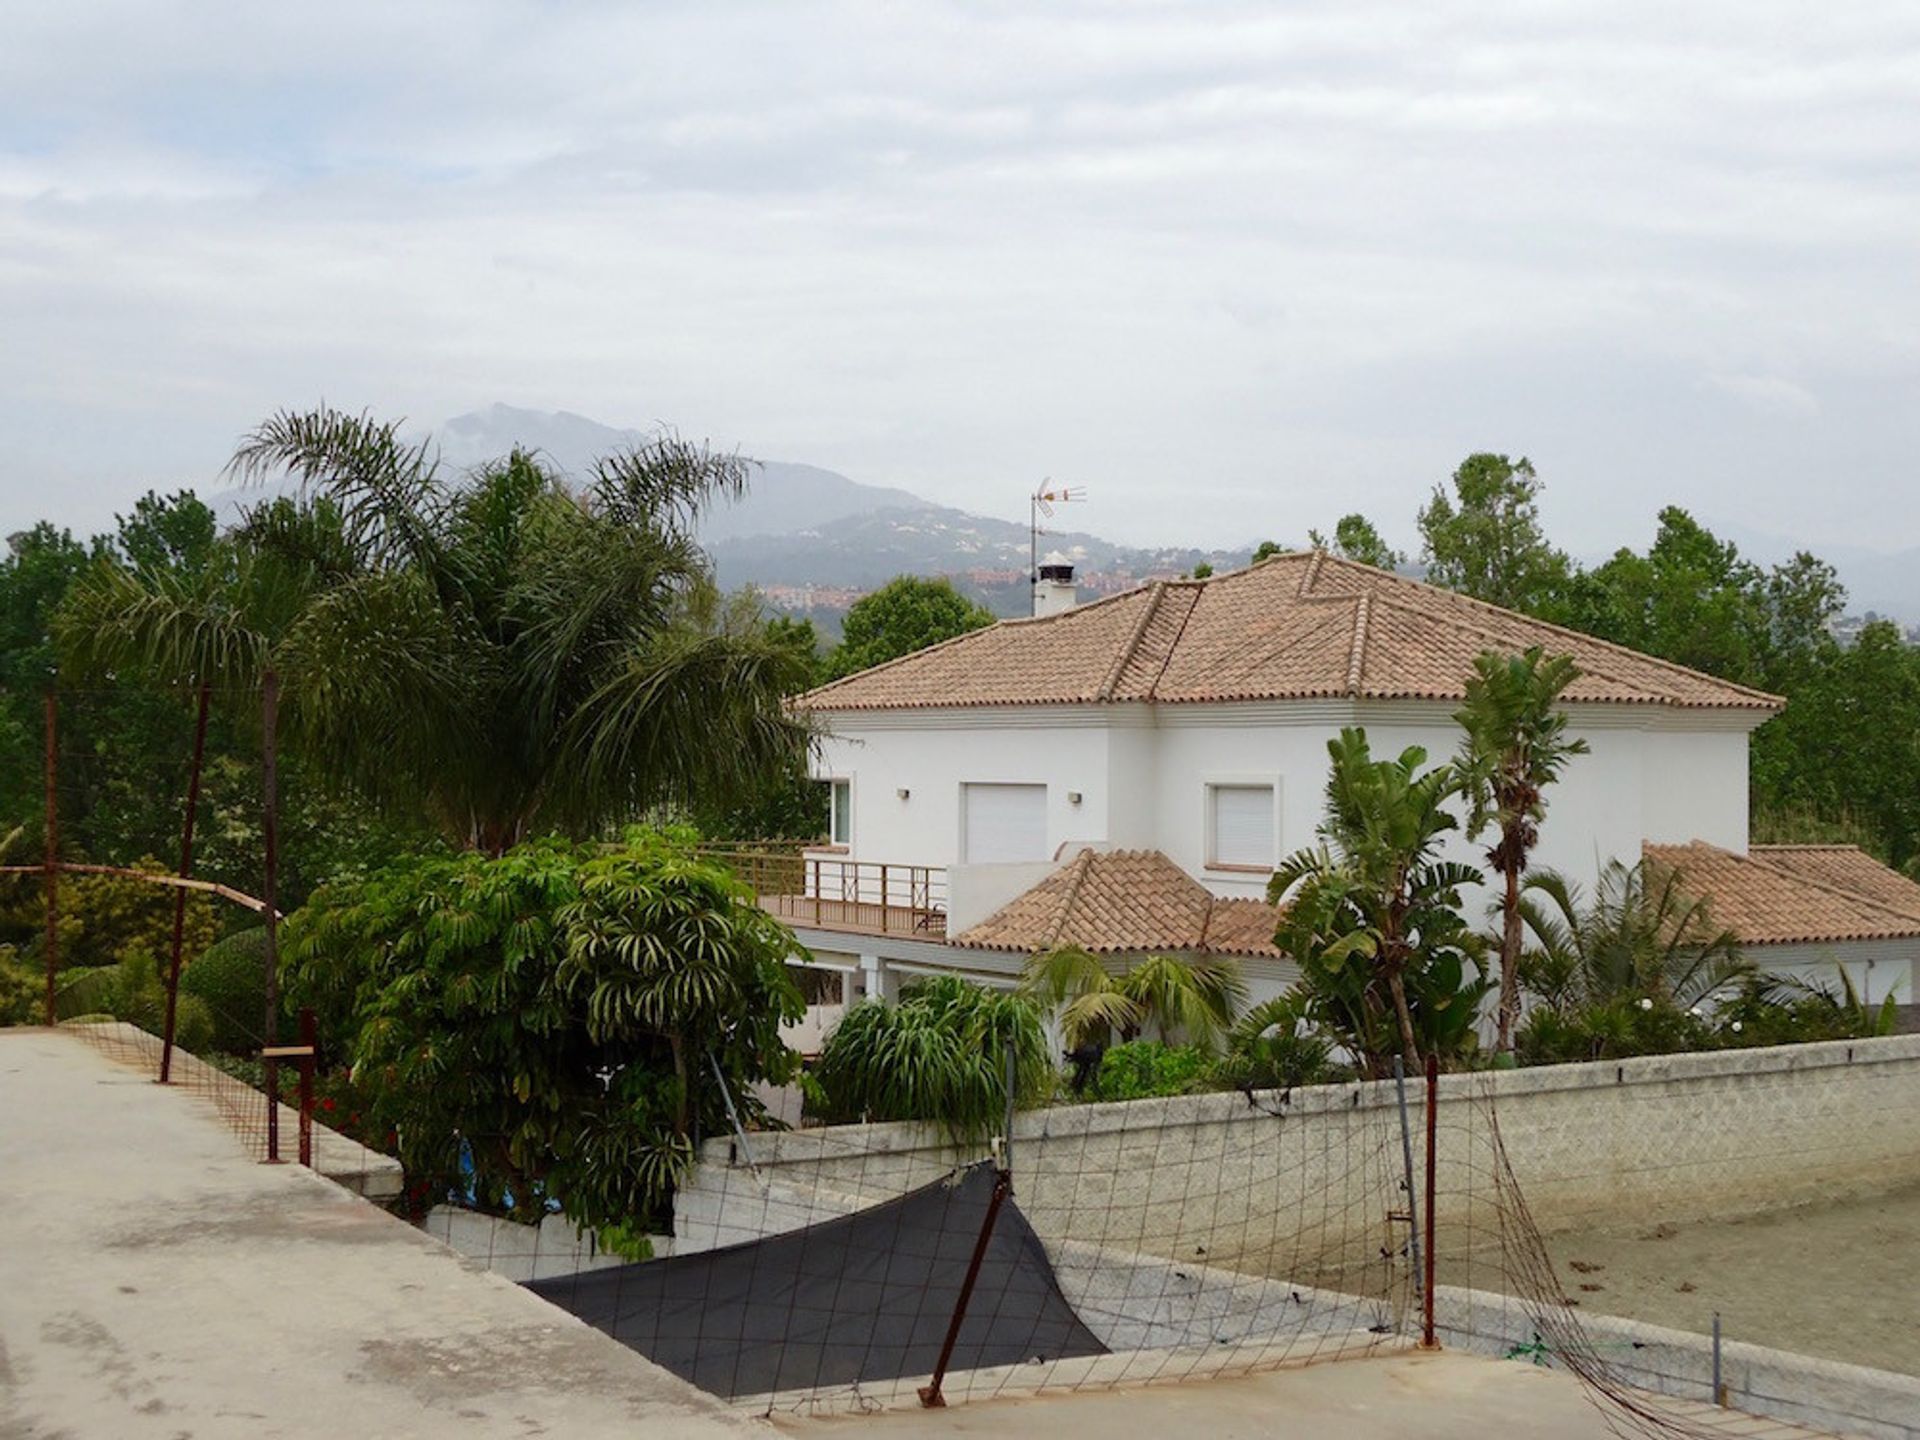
140 998
21 991
1271 1048
230 979
86 990
1766 1011
939 1054
1143 1069
1614 1029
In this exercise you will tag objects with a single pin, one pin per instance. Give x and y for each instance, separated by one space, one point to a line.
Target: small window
1242 827
840 812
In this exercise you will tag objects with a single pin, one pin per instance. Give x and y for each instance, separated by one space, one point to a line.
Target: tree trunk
1409 1047
1509 962
681 1114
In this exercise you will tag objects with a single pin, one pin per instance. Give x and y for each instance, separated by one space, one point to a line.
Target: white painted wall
1878 967
1141 773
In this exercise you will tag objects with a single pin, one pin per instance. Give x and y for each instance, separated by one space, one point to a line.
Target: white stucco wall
1142 772
1878 967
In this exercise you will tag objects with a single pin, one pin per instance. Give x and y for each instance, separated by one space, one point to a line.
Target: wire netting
1500 1293
1206 1236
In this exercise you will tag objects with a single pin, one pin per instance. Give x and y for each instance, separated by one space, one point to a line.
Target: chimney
1053 589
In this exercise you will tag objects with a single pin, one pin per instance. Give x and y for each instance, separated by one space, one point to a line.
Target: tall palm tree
1194 999
495 649
1641 937
1514 746
1374 894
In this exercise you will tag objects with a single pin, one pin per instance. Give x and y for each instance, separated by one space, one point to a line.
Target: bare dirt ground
1837 1280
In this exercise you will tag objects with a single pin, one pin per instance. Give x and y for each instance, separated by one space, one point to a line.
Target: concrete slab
156 1282
1446 1396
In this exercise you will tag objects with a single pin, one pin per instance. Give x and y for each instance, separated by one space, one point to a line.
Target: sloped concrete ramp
156 1282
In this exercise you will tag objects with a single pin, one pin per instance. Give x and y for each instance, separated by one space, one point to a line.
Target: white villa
1124 775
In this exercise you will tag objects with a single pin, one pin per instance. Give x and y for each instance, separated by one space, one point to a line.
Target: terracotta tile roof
1124 901
1796 894
1292 627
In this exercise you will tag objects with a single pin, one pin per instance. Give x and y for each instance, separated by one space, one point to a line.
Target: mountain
813 540
783 497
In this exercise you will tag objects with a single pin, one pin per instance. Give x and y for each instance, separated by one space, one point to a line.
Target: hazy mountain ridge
814 539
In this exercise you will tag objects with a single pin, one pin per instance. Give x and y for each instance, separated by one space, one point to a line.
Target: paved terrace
156 1282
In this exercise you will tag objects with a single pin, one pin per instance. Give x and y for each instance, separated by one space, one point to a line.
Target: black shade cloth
864 1297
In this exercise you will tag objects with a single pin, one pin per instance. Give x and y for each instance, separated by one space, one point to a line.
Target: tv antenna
1041 503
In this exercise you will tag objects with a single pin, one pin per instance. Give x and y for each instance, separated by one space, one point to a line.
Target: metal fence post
930 1396
51 850
270 837
1427 1338
1406 1156
186 869
309 1039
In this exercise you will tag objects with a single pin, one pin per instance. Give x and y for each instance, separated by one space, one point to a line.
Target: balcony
826 892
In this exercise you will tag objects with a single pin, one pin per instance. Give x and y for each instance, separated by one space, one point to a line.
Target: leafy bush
1142 1069
104 917
21 991
939 1054
1612 1029
1793 1011
1273 1047
133 991
230 978
558 1010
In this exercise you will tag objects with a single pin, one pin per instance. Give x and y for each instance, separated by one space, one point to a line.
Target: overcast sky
1235 268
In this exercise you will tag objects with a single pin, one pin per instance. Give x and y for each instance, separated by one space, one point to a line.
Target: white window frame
1046 821
1209 832
836 837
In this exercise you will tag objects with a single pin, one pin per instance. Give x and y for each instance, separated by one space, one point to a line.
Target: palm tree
1373 895
494 650
1195 999
939 1054
1642 937
1515 746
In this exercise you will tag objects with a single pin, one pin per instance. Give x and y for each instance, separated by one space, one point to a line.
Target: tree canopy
558 1009
1356 538
908 613
1485 537
1372 916
495 651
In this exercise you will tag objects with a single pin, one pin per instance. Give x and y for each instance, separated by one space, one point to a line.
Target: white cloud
1238 266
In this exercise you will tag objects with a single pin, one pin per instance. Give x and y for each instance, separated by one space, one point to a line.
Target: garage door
1005 824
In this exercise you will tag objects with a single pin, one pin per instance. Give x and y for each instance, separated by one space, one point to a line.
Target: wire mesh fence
821 1270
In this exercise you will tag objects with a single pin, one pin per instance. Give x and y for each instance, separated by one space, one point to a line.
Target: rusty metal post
930 1396
51 850
186 870
309 1040
270 837
1427 1339
883 899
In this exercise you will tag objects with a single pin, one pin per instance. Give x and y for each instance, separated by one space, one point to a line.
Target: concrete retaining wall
1680 1137
1846 1399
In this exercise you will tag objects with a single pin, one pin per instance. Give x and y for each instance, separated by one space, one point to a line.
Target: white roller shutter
1005 824
1243 825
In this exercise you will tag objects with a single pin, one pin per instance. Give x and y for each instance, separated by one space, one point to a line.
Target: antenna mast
1041 503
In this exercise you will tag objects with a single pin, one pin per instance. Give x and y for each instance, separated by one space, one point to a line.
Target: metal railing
832 893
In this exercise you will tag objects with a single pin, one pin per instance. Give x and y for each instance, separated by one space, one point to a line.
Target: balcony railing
829 893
